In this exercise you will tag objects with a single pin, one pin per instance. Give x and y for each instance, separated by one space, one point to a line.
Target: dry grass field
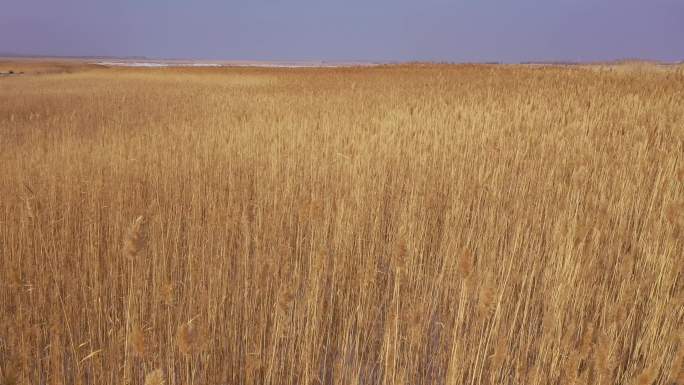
418 224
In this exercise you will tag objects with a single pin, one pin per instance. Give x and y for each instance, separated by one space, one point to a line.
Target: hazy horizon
305 30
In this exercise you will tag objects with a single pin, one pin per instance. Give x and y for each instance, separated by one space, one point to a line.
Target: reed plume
135 239
138 342
647 376
188 338
155 377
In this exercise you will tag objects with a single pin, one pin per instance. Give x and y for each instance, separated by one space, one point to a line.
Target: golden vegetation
392 225
41 66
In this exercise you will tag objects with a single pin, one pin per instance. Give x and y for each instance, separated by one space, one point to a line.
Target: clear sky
401 30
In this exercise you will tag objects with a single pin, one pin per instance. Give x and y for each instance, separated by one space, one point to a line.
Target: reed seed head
155 377
138 341
188 338
135 239
647 376
465 264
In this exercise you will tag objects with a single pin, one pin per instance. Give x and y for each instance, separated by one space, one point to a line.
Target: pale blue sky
401 30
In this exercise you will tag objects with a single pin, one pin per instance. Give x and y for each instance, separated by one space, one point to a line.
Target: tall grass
394 225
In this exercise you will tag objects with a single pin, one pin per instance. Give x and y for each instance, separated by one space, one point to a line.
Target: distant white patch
202 65
131 64
155 64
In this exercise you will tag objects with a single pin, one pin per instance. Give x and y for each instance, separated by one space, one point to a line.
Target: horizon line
15 55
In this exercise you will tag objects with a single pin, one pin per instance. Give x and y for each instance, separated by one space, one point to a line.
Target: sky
366 30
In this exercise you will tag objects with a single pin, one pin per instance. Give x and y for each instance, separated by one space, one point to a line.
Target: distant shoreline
144 61
156 62
200 64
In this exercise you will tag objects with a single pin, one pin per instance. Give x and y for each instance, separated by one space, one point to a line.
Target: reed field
408 224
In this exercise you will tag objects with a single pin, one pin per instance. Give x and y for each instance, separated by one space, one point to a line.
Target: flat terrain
414 224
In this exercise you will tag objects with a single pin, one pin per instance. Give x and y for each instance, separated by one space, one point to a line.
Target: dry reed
419 224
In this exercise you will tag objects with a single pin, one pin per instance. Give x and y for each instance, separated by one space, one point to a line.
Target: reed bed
418 224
